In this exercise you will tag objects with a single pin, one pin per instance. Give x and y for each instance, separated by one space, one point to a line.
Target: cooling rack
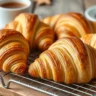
47 86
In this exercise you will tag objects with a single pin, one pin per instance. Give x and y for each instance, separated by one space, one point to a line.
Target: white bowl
90 13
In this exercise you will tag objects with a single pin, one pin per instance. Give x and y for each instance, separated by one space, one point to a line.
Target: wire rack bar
68 87
48 86
84 88
48 83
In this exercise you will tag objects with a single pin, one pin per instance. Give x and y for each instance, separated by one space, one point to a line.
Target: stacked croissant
39 35
25 34
14 50
68 42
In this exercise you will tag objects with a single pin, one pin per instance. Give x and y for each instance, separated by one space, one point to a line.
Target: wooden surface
63 6
89 3
57 7
60 6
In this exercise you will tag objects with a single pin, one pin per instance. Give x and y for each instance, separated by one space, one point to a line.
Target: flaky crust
68 60
39 35
14 50
69 24
90 39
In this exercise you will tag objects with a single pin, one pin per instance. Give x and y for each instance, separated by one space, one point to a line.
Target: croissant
90 39
39 35
68 60
14 50
70 24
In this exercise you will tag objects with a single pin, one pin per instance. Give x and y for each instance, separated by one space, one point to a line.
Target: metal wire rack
47 86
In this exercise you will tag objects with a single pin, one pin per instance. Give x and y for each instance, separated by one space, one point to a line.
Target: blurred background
45 8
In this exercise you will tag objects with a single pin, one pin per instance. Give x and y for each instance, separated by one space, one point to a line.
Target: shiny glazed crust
14 50
90 39
69 24
68 60
39 35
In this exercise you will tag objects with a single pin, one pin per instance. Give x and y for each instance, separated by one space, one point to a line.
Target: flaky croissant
90 39
70 24
14 50
38 34
68 60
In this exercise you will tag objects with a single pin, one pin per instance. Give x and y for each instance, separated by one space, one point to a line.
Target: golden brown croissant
70 24
90 39
68 60
38 34
14 50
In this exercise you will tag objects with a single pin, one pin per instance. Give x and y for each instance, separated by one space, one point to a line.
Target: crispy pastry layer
90 39
69 24
68 60
38 34
14 50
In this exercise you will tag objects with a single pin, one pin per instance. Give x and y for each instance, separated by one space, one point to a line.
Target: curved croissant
68 60
90 39
38 34
14 50
70 24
